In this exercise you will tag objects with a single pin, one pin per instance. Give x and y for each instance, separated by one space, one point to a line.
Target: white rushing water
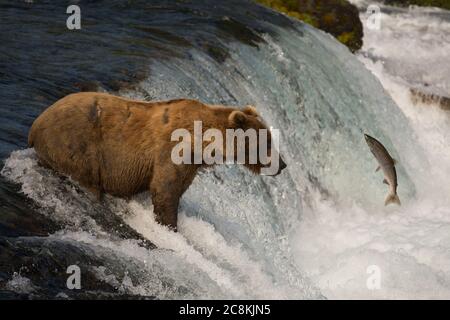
318 228
410 245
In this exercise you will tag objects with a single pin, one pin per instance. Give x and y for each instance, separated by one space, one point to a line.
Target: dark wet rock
39 267
18 216
337 17
11 295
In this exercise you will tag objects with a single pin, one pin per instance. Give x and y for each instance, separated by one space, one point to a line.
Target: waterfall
310 232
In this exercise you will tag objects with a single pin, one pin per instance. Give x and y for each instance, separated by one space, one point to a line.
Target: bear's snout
283 165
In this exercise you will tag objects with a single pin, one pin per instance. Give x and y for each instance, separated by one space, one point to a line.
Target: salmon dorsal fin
385 181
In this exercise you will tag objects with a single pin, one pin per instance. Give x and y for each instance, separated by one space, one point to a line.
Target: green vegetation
337 17
291 8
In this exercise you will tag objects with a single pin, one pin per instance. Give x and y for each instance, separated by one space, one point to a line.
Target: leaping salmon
387 164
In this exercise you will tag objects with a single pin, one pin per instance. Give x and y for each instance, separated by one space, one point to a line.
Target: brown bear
110 144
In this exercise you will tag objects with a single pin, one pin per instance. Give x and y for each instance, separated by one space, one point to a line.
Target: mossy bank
337 17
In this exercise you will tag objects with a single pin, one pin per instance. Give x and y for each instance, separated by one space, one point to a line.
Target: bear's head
259 152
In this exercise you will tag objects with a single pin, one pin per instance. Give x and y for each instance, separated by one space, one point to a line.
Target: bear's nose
283 165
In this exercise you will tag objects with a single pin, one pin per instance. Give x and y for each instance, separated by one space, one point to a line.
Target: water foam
336 245
197 258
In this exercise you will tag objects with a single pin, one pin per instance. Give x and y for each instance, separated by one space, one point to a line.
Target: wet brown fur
122 147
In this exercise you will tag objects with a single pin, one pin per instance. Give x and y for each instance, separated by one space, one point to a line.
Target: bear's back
107 142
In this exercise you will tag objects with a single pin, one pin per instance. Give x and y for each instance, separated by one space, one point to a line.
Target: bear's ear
237 119
250 110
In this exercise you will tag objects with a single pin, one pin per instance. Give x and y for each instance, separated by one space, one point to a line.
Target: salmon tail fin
392 198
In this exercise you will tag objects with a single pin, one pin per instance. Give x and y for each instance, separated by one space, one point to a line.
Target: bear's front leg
166 188
165 207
